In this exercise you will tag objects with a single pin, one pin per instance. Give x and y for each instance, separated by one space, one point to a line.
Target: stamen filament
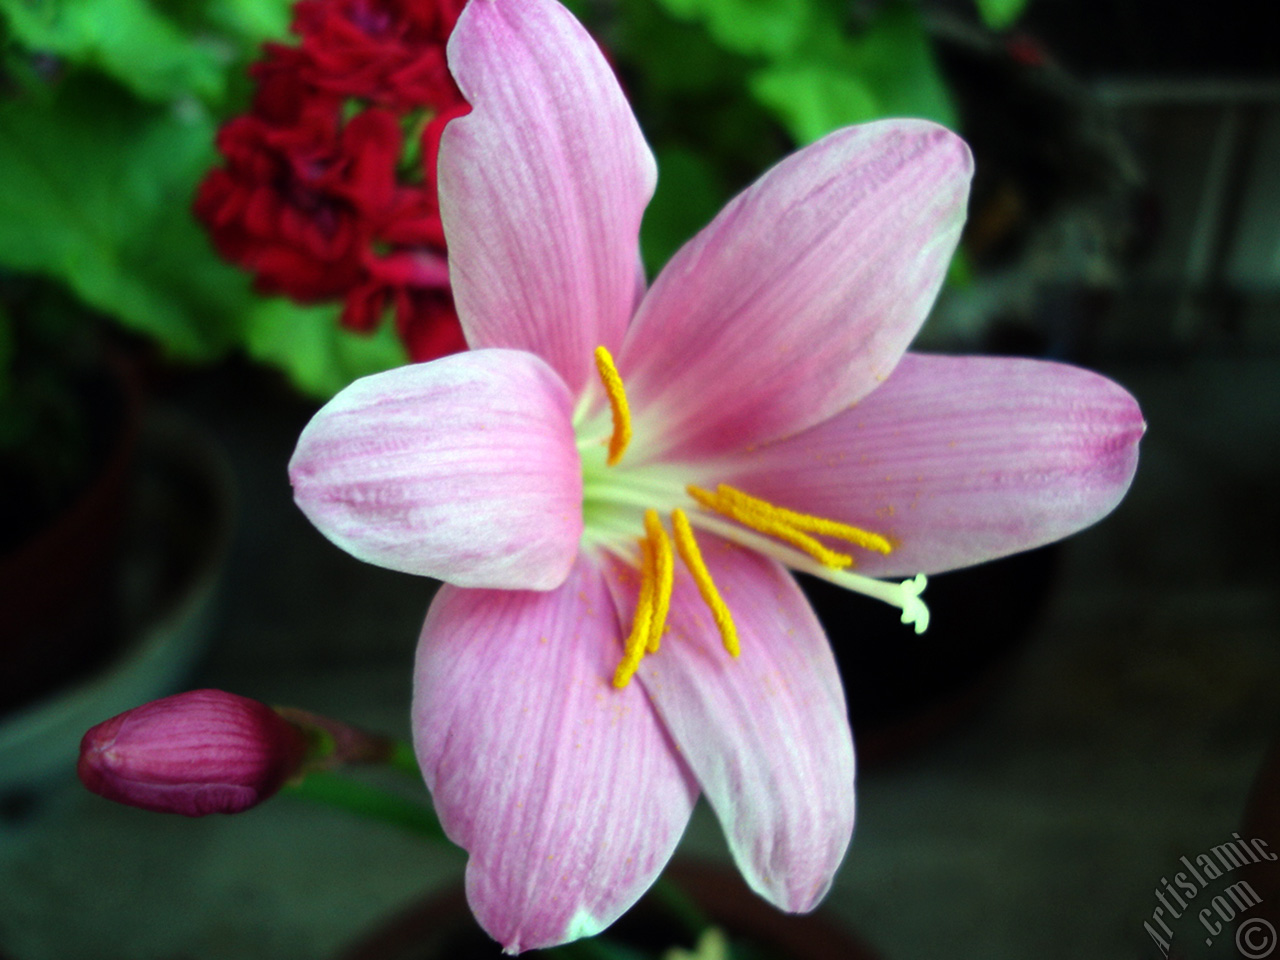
786 535
612 381
687 547
767 522
804 521
624 488
904 595
664 573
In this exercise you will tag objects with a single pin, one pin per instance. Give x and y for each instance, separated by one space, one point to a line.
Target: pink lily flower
617 630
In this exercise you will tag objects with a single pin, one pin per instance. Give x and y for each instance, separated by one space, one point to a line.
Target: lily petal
958 460
800 297
766 734
464 469
542 187
566 793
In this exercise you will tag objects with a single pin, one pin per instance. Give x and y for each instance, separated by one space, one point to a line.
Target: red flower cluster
329 187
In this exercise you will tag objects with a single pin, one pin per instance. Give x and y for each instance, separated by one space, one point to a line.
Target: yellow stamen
664 574
642 622
612 381
687 546
657 575
804 521
767 522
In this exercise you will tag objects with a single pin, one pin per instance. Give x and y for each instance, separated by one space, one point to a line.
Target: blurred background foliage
109 109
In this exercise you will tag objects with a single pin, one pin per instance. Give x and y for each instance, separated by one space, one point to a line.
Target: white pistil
904 595
616 499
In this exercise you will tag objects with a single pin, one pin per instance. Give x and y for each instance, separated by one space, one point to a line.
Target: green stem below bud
368 801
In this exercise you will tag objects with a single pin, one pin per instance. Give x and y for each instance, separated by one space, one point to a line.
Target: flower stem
368 801
671 896
593 948
404 760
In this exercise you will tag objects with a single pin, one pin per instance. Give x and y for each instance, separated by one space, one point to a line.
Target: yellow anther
642 621
807 522
612 381
774 526
664 575
687 547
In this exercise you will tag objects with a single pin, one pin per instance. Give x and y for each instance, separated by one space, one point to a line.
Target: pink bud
206 751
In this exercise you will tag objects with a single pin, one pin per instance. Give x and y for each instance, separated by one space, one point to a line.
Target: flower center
613 497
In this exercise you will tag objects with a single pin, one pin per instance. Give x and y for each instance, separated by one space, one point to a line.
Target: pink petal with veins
465 469
799 298
566 793
766 734
958 460
542 187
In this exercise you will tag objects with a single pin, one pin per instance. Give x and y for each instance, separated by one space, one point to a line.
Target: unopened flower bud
196 753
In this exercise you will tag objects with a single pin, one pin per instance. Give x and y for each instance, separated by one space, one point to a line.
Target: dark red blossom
296 204
389 52
328 188
416 286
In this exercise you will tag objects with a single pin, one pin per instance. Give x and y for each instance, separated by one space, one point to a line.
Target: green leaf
674 57
252 21
960 270
811 101
895 59
95 191
127 39
319 355
689 194
7 349
833 80
998 14
770 28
